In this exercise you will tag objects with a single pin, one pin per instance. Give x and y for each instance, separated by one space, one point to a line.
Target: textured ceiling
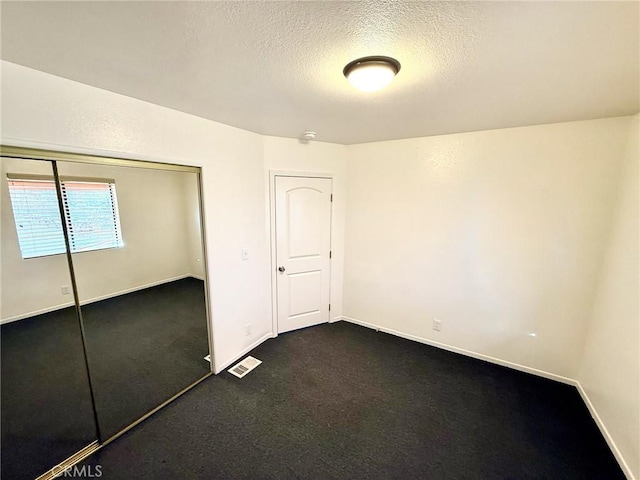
276 67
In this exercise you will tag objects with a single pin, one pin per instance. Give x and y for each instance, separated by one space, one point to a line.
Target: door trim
272 237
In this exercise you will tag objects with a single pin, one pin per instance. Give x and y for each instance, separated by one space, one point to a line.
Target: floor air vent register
244 367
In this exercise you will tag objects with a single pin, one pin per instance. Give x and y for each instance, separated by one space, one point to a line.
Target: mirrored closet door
137 254
78 373
47 413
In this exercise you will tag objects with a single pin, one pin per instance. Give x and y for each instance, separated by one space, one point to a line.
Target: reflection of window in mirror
90 211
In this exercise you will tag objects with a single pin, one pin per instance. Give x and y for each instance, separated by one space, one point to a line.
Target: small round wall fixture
369 74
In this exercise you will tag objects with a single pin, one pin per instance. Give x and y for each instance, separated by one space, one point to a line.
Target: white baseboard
605 433
95 299
462 351
237 357
22 316
541 373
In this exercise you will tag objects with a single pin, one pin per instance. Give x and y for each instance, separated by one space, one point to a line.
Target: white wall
286 154
29 285
498 234
156 245
193 225
610 368
41 110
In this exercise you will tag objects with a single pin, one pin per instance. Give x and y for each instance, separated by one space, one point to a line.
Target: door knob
281 269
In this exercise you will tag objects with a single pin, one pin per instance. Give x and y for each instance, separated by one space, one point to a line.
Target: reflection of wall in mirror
160 220
193 223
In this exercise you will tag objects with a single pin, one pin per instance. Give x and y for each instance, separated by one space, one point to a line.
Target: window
90 211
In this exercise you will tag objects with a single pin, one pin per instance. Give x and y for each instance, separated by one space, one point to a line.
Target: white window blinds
35 211
90 211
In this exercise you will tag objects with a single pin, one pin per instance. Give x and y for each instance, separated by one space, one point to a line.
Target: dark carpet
46 405
343 401
143 348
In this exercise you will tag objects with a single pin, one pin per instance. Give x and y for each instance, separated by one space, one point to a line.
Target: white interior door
303 243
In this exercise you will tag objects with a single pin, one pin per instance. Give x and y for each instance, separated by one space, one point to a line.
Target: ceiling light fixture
369 74
309 135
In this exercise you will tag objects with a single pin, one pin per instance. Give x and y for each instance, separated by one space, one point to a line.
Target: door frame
272 237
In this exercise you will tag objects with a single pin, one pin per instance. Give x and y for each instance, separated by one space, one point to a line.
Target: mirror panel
138 260
47 413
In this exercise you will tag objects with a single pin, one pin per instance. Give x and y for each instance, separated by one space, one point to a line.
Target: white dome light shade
369 74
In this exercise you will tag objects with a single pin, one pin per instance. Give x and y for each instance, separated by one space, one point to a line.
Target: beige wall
610 368
498 234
